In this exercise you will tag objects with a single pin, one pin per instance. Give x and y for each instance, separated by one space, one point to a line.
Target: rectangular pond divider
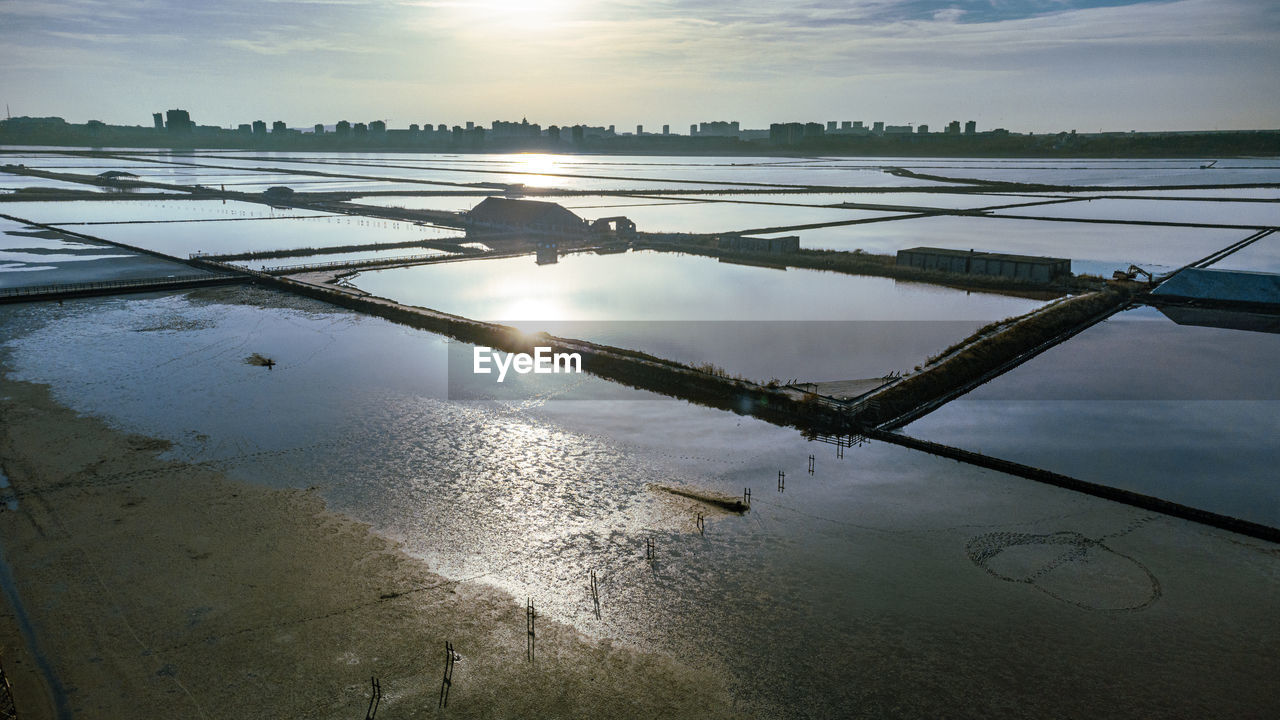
447 683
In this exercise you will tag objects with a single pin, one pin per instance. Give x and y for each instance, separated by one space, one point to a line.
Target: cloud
743 58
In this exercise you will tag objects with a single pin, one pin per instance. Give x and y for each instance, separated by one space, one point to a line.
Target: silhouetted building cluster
175 128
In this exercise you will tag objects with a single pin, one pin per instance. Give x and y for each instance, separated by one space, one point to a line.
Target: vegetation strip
861 263
984 356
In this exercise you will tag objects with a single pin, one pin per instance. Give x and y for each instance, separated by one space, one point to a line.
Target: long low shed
970 262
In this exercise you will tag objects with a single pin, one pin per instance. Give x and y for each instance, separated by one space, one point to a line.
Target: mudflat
150 588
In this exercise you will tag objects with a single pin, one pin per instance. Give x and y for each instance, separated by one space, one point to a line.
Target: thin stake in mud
529 616
8 710
595 593
810 464
782 481
746 496
447 683
702 525
650 550
375 699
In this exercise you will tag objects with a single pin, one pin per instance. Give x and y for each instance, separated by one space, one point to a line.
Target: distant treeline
57 132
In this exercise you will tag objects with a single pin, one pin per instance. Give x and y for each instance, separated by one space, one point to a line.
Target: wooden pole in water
530 614
782 481
375 699
447 682
595 594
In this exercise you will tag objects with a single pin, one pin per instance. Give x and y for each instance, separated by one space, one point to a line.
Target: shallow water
1183 412
1092 248
697 310
845 594
885 584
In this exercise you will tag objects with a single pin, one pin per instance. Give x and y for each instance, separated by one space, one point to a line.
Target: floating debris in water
260 360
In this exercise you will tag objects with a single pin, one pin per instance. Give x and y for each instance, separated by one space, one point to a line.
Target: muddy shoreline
163 589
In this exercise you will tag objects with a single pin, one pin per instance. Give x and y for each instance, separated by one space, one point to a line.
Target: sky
1025 65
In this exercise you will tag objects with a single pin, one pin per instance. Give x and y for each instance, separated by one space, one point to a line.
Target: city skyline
1031 66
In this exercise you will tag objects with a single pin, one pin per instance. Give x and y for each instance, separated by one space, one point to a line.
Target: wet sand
160 589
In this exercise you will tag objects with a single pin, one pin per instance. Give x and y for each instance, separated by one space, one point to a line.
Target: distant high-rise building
442 128
578 134
846 125
279 127
377 126
522 129
178 121
813 130
831 126
245 129
259 127
342 129
785 133
718 128
971 127
953 127
922 129
360 129
877 128
158 120
553 133
666 129
693 129
639 129
471 125
413 127
318 129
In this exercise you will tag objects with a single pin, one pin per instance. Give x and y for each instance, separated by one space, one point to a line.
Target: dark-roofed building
496 213
742 243
1027 268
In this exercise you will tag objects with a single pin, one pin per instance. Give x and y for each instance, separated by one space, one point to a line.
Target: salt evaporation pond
280 232
695 309
1092 248
32 257
1187 211
1261 256
810 602
1182 412
388 255
77 213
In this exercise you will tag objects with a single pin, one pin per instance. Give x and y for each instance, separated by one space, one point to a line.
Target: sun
526 13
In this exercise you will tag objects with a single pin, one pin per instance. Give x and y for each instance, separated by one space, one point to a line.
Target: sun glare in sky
532 14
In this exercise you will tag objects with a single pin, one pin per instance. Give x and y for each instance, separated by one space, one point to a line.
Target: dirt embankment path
160 589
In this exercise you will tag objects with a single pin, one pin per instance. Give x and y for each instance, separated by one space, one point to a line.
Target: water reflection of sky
697 310
810 603
1091 247
1185 413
